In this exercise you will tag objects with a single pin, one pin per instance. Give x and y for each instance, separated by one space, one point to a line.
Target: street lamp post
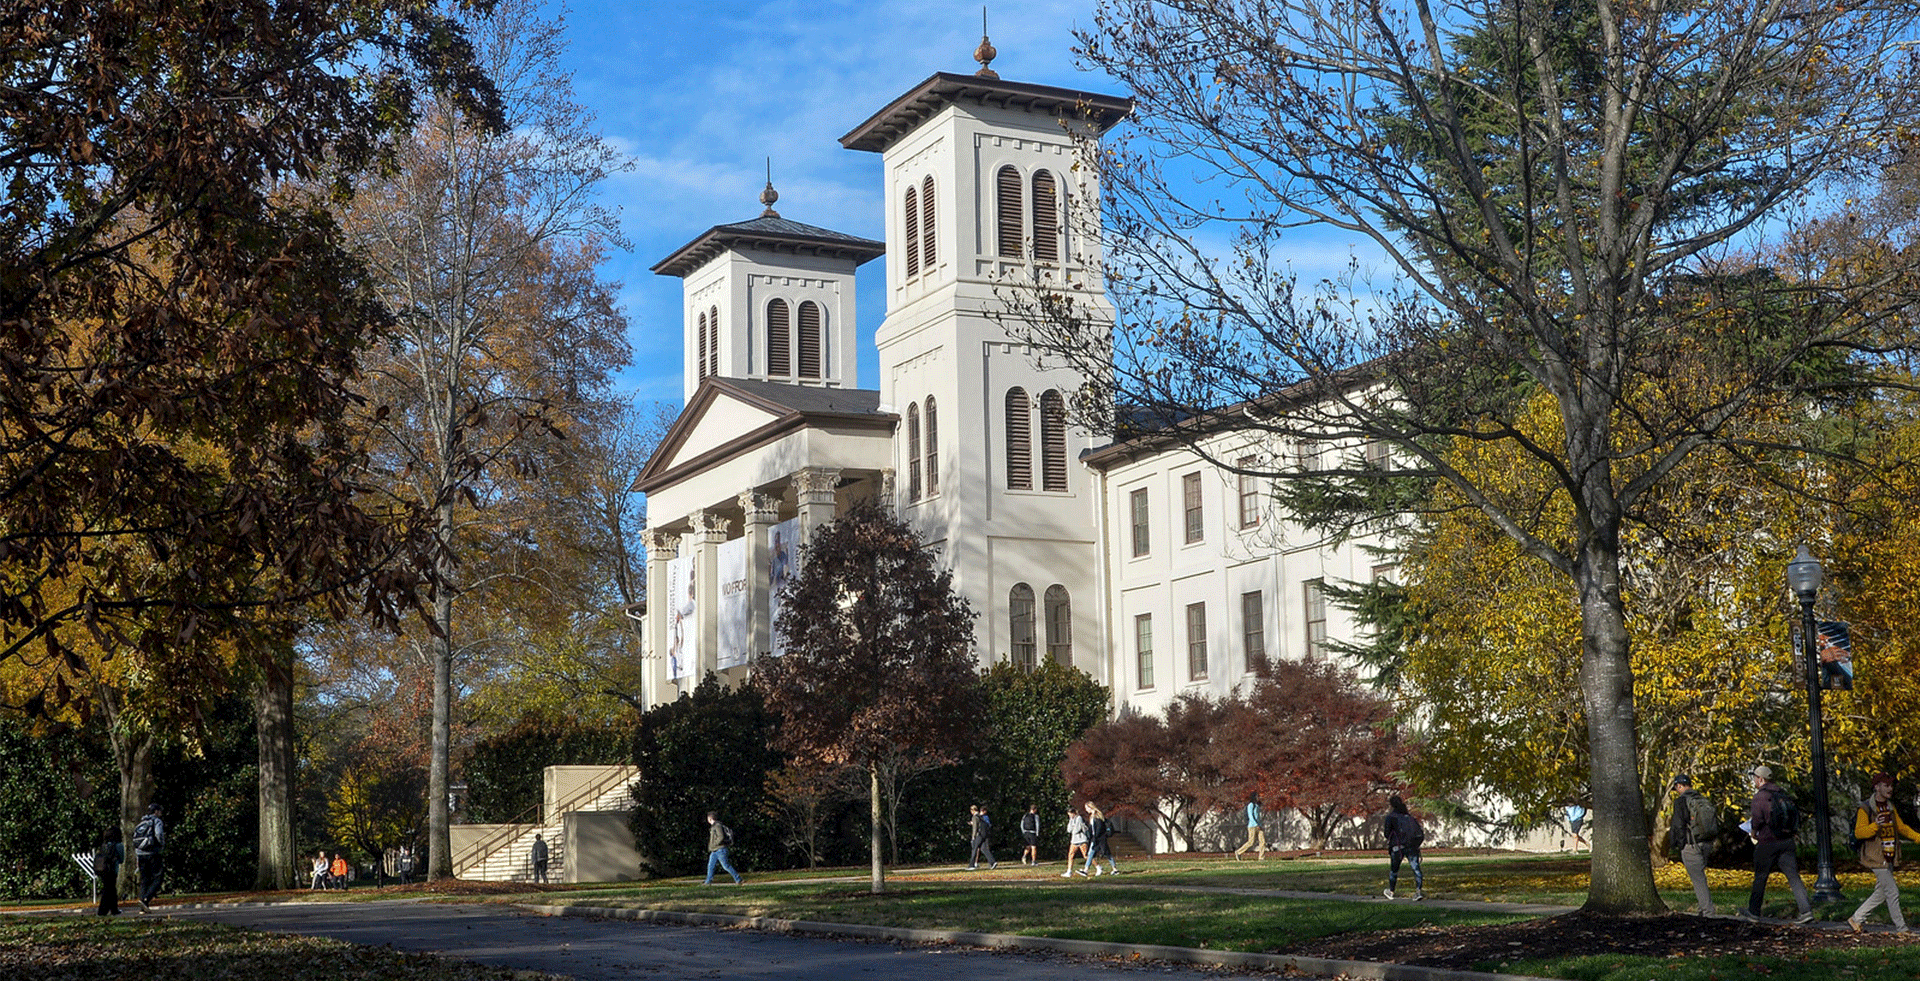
1803 577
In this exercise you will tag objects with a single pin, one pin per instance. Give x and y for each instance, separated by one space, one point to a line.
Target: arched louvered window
1059 626
1046 218
913 233
779 339
1020 638
1019 440
1053 442
1008 212
700 366
810 339
913 452
927 253
713 350
933 448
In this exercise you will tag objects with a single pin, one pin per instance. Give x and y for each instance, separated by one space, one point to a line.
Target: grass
1079 911
1874 964
88 948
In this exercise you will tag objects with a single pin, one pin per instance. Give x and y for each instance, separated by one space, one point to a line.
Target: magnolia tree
1539 176
879 659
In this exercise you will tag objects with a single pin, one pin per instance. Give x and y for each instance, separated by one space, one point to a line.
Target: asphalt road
603 950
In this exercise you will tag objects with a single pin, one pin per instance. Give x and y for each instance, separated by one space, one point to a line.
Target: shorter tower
770 299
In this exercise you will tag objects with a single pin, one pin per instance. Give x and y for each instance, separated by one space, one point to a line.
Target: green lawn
135 948
1881 964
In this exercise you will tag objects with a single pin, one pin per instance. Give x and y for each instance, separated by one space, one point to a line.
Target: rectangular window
1253 627
1249 494
1138 501
1377 454
1190 494
1143 647
1197 641
1316 617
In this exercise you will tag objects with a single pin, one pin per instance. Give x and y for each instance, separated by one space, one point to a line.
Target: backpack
1412 832
105 859
1784 818
143 838
726 836
1703 819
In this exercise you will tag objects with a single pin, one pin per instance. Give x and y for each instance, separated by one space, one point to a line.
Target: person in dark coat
106 867
149 843
539 859
1404 835
1772 846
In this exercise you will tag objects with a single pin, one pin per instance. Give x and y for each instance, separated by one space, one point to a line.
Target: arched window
933 448
713 351
1020 623
779 339
1053 442
810 339
913 452
700 366
1019 440
913 233
927 253
1059 626
1008 211
1046 218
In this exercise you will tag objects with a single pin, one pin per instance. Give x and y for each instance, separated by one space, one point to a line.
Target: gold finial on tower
984 54
769 196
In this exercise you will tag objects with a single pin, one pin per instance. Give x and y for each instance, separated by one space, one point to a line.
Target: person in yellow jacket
1878 823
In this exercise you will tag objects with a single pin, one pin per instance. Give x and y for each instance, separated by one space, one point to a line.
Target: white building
1135 561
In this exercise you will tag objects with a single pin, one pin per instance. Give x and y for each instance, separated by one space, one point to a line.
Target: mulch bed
1571 934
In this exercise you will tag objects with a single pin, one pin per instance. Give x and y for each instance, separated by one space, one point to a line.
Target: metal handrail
475 853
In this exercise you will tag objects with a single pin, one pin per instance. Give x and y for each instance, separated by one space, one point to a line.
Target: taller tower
983 195
770 299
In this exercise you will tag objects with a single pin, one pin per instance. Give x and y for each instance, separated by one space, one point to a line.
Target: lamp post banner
1834 641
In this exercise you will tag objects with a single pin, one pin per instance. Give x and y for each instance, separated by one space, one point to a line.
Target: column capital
660 544
709 526
817 482
760 509
887 488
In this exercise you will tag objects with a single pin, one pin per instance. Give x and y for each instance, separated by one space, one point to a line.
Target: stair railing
477 852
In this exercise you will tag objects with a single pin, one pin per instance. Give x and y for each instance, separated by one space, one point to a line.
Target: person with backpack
107 857
1691 829
1099 829
1877 830
719 839
1030 830
149 841
980 832
1772 821
1404 835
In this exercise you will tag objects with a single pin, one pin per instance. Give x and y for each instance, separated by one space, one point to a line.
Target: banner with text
783 545
736 629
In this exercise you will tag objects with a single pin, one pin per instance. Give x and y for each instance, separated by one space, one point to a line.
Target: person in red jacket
1880 829
1772 845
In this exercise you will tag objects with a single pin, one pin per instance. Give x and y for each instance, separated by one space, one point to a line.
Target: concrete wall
467 836
599 847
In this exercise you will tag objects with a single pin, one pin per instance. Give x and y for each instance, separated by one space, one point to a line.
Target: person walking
980 831
149 843
1771 826
1099 829
1404 835
1878 829
340 871
1078 835
539 857
1691 830
719 839
321 869
1030 830
1254 830
107 857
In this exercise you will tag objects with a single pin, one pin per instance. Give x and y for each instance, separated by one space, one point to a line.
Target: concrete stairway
505 853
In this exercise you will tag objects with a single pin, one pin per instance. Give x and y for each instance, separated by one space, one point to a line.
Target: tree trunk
1622 876
273 730
439 813
133 756
879 870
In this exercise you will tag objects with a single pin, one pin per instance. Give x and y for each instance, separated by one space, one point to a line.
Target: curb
1313 966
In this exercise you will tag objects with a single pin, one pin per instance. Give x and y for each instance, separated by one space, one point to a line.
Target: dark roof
771 233
883 128
1142 432
805 399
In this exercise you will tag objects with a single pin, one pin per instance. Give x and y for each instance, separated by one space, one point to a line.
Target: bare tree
879 662
484 244
1539 174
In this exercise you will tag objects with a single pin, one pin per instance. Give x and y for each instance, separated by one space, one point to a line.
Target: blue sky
700 94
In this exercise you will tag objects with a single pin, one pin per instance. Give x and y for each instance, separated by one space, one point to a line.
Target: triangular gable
715 417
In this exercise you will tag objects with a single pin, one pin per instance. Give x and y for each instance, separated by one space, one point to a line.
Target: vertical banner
683 619
736 630
783 541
